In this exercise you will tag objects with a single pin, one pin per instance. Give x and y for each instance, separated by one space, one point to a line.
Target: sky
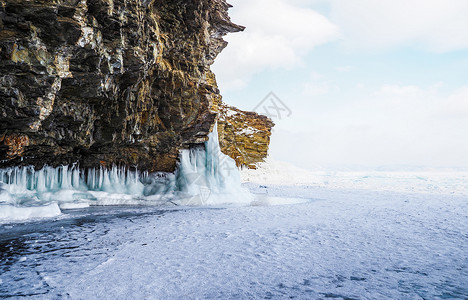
361 84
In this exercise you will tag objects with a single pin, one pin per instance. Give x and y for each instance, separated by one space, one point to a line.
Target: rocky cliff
112 82
244 136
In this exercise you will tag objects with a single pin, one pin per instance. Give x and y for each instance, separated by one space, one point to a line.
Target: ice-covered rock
205 176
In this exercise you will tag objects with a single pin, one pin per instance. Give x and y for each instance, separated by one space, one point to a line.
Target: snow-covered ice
429 181
14 213
336 244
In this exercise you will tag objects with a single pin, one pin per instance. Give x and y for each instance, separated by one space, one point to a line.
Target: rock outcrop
244 136
112 82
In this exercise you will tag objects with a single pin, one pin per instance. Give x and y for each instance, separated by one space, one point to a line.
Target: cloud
456 105
278 35
438 25
390 125
429 105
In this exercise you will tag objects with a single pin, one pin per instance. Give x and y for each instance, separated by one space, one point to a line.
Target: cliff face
244 136
104 82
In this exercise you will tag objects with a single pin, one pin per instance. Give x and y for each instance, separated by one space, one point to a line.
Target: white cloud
456 105
278 35
439 25
428 106
392 125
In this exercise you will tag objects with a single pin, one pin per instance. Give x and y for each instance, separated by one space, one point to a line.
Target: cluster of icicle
25 185
205 176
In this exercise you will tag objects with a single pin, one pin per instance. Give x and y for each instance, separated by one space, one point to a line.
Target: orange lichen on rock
16 144
244 136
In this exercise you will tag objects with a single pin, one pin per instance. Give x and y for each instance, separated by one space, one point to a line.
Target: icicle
204 176
207 176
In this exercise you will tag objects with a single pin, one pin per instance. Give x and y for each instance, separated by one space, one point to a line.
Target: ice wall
205 176
26 186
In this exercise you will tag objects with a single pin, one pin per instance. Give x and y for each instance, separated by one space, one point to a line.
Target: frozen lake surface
337 244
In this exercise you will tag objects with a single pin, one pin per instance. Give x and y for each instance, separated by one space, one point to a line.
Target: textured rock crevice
108 82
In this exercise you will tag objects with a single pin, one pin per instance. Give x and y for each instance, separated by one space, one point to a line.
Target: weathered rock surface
104 82
244 136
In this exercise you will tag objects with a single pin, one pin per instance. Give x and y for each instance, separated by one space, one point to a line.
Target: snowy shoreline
274 183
